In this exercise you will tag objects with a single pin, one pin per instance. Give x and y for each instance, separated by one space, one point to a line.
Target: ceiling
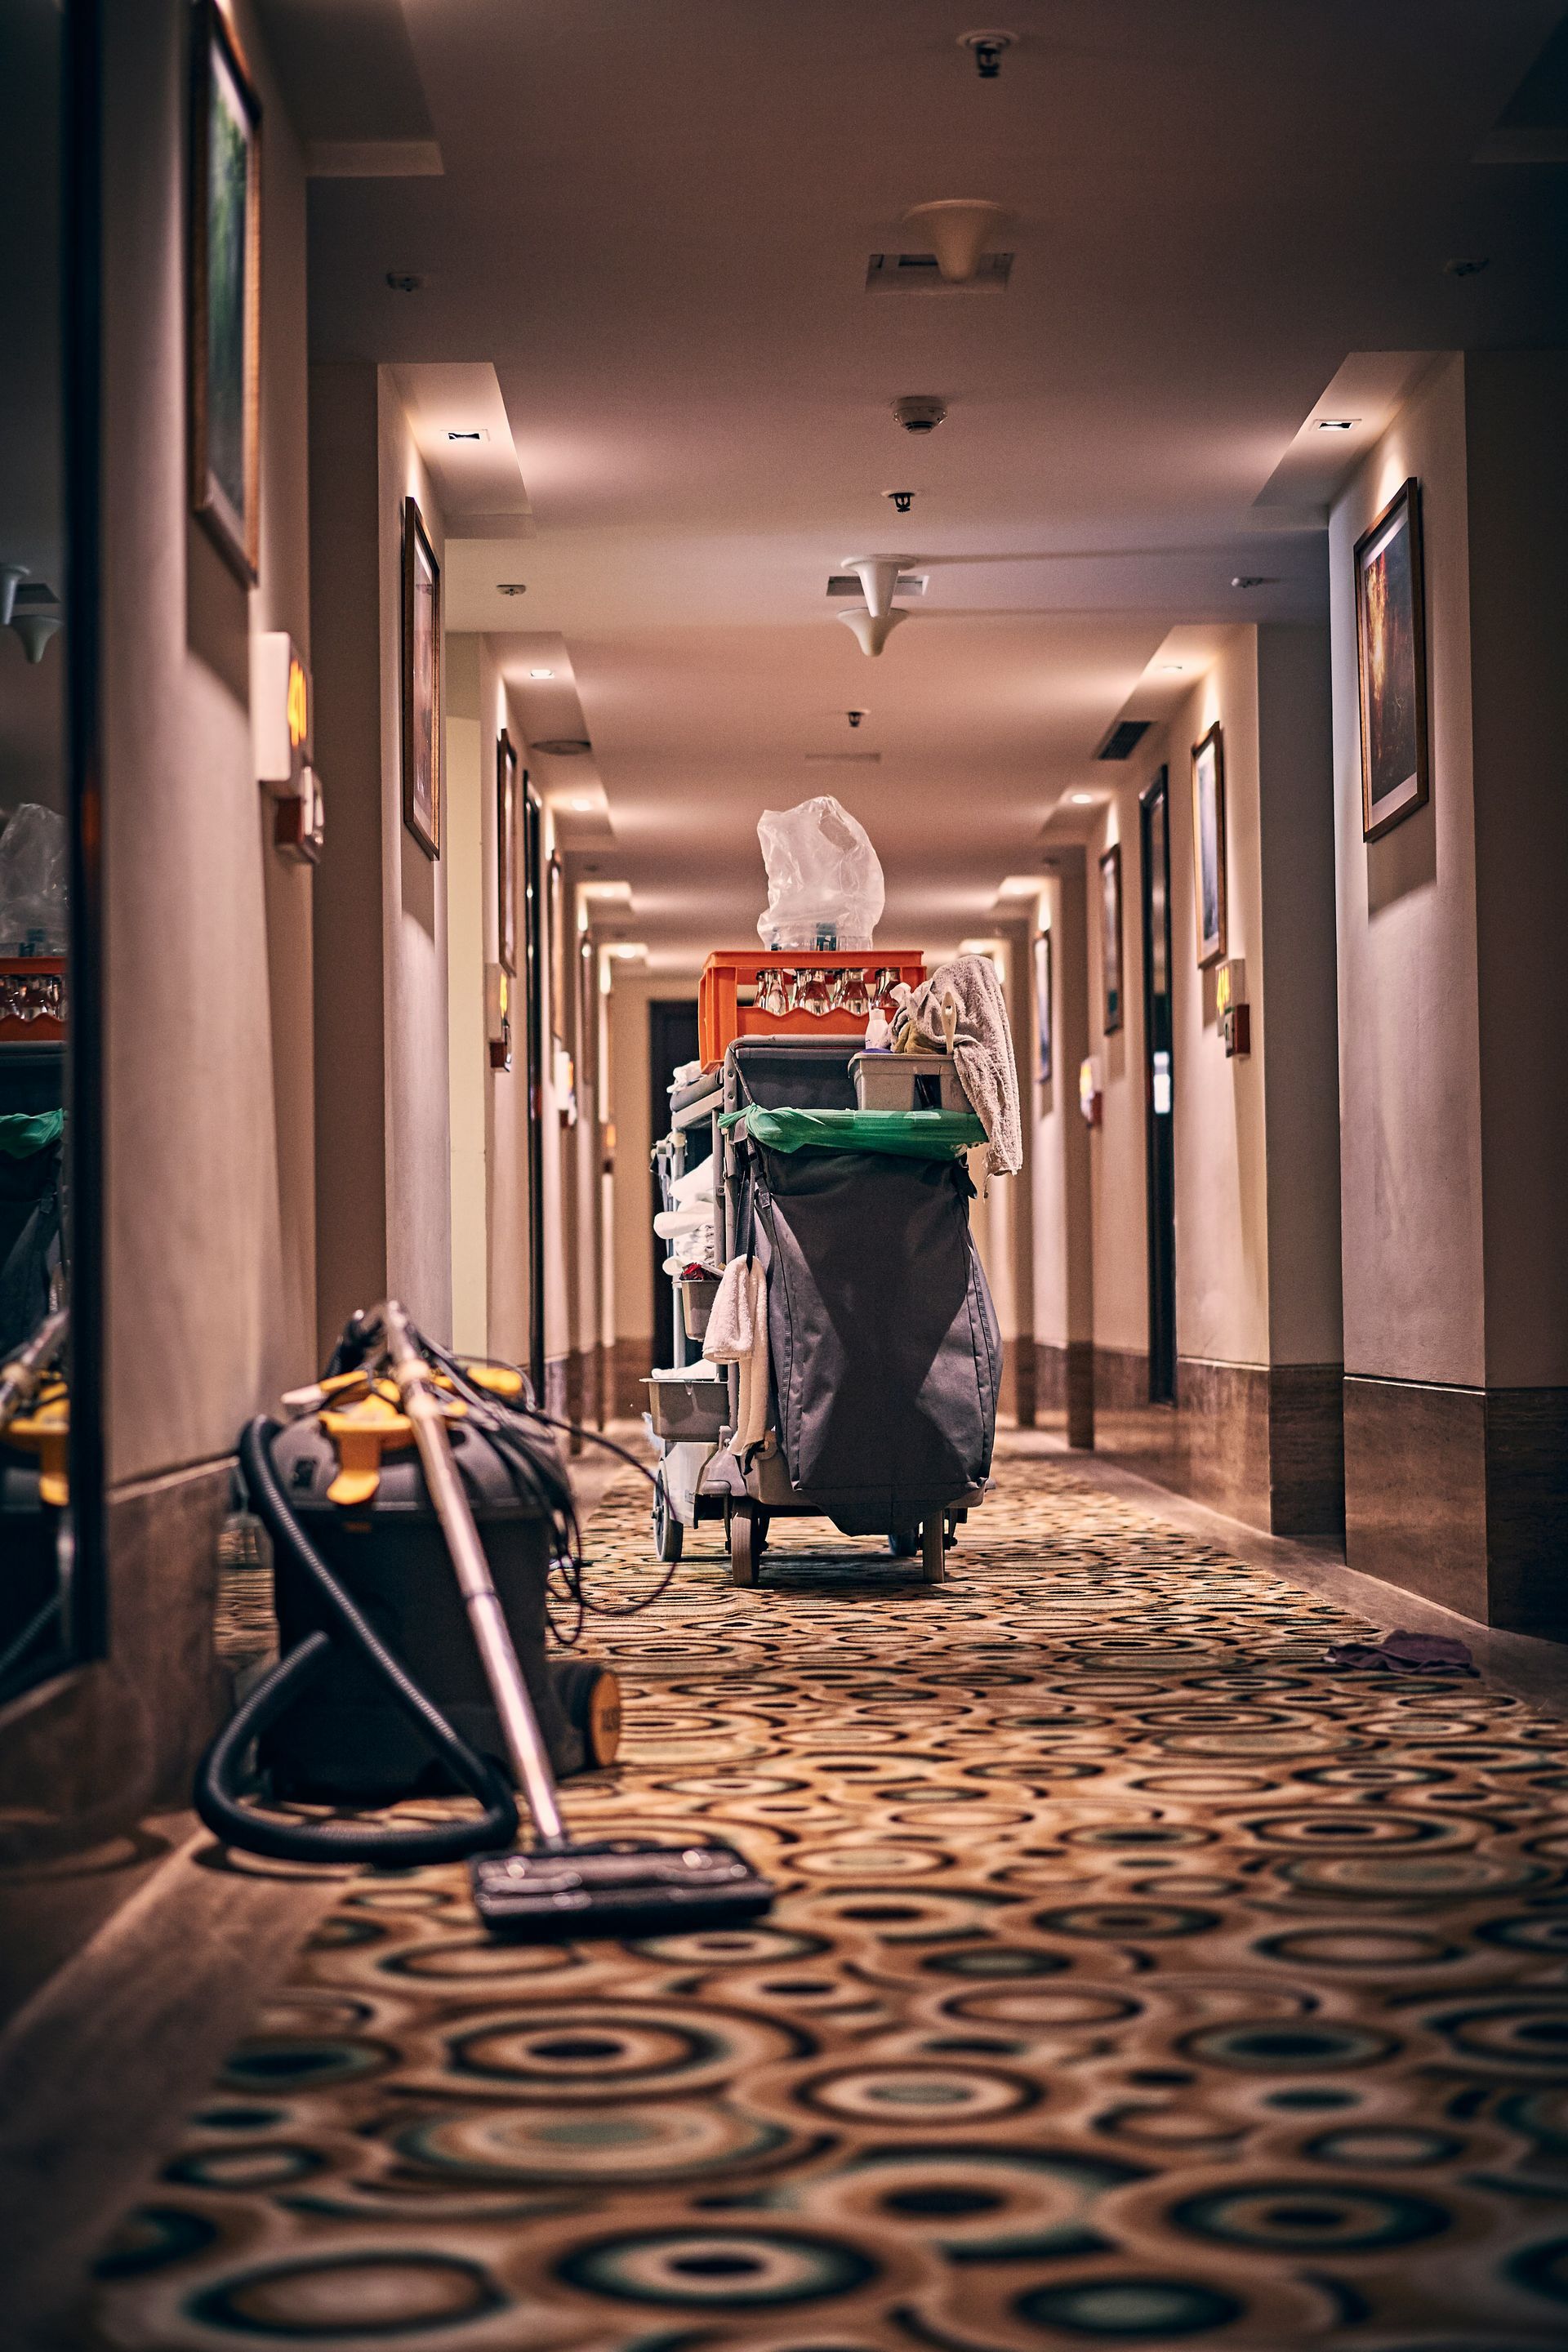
654 223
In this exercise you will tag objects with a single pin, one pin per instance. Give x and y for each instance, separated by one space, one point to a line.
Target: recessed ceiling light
1081 800
512 587
564 746
584 808
404 281
542 673
1251 580
1465 265
465 437
1337 424
1176 667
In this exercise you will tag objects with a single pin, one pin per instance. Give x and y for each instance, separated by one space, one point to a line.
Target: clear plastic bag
824 880
33 882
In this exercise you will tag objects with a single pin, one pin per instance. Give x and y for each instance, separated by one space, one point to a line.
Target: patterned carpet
1136 1981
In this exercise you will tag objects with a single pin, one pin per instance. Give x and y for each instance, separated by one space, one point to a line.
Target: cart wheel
904 1542
744 1547
591 1694
762 1523
932 1548
669 1535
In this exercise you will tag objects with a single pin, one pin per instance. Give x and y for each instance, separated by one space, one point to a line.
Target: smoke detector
920 412
563 747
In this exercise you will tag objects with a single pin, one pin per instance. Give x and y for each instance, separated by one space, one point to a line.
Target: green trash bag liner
23 1132
902 1134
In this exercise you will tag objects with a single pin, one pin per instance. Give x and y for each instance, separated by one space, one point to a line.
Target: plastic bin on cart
687 1405
908 1082
794 992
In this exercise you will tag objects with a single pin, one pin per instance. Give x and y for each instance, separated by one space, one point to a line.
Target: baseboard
88 1754
1064 1388
1262 1443
1461 1495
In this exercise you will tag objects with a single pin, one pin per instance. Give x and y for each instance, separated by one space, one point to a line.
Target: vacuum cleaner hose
242 1824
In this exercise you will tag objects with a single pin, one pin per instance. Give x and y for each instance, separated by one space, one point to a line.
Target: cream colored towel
982 1049
738 1334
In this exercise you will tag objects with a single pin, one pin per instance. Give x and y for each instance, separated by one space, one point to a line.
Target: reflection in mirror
38 1619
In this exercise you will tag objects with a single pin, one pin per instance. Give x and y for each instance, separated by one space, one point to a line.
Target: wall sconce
1090 1095
497 1016
1230 1003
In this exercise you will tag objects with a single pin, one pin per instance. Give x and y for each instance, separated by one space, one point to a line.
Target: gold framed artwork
1208 845
224 337
1390 656
1110 936
506 853
421 683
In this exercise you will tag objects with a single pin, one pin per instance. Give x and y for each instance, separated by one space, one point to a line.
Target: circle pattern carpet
1135 1980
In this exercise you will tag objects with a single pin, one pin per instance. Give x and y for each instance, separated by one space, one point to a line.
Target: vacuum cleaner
341 1719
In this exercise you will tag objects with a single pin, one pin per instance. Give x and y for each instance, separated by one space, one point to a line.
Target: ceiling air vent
1124 739
848 583
917 273
563 747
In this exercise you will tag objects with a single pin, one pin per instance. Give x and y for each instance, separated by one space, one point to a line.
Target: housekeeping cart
883 1353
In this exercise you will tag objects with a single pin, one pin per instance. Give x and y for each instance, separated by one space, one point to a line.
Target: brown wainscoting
85 1755
603 1403
1064 1388
1019 1358
1261 1443
633 1361
1461 1495
1527 1510
555 1386
1307 1450
576 1411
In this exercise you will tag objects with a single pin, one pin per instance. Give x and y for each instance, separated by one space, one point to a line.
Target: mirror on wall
48 1617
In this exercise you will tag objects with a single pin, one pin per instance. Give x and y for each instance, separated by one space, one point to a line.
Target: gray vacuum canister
343 1740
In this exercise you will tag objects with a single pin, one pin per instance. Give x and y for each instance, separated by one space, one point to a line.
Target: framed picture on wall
505 852
421 683
1391 650
1208 845
1043 1007
224 327
557 919
1111 934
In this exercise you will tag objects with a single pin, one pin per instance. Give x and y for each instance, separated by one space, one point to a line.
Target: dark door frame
1159 1113
665 1014
534 983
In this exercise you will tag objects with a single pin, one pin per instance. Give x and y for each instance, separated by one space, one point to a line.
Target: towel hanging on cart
982 1048
738 1334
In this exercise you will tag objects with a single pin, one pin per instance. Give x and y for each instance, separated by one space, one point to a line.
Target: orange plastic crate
721 1017
32 1000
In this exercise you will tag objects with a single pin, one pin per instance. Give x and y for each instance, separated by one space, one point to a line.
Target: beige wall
1116 1146
419 1166
1063 1253
209 1084
1409 1036
1221 1231
1517 464
469 946
1254 1136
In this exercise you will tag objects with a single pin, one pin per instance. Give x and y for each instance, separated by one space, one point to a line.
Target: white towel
983 1048
738 1334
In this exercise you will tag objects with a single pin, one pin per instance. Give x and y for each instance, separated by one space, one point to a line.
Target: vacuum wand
525 1747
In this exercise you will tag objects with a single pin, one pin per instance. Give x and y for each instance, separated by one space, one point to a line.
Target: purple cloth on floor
1403 1653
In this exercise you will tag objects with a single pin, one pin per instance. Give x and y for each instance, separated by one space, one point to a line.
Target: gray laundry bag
886 1352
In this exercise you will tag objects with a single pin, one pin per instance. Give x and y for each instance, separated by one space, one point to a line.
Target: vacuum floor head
622 1887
